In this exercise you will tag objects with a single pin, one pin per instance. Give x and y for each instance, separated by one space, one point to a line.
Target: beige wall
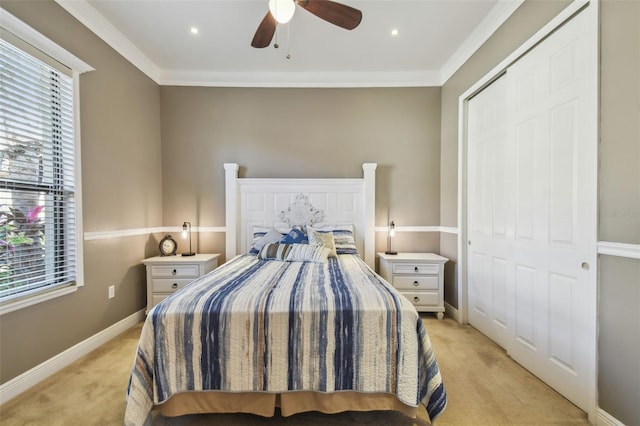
619 179
120 121
619 193
303 133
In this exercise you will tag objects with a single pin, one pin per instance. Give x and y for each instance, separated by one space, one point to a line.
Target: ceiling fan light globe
282 10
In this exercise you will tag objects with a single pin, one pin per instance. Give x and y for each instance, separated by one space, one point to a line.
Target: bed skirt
264 404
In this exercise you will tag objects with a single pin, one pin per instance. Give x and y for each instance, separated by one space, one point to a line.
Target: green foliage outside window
22 245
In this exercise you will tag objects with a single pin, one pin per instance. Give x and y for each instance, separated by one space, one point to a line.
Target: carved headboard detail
301 212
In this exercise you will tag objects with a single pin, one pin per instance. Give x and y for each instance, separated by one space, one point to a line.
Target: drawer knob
416 299
416 283
415 269
174 272
175 285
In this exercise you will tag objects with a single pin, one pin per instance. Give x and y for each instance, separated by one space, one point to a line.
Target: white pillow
272 236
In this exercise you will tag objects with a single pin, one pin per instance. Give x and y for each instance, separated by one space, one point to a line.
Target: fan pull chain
289 40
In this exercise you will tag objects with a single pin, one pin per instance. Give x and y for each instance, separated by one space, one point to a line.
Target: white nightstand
418 276
167 274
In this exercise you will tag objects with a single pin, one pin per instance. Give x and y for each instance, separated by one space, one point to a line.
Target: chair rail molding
631 251
120 233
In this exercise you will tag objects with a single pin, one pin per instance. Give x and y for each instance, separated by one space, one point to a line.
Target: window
40 244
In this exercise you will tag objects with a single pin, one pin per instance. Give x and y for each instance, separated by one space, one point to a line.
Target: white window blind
38 250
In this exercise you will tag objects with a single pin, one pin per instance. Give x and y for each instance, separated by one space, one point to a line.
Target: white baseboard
451 311
28 379
605 419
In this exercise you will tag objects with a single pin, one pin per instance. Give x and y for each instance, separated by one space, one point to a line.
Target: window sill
26 301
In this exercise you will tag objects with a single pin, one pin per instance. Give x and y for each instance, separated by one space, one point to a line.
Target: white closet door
555 212
532 213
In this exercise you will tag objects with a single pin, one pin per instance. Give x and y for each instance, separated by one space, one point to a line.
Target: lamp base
188 254
390 252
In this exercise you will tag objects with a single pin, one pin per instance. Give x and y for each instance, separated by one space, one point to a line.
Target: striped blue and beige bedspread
272 326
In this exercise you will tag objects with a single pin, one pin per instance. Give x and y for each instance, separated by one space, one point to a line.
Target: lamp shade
186 232
391 232
282 10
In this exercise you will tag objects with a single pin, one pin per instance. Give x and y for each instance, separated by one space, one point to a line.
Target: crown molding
300 79
92 19
494 19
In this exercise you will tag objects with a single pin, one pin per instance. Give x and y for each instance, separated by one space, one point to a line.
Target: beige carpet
484 386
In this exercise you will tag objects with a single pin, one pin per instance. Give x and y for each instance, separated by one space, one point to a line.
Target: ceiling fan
281 11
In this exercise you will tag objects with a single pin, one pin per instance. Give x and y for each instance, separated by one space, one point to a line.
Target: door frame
591 8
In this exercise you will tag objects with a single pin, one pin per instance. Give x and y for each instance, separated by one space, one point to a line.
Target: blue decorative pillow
295 236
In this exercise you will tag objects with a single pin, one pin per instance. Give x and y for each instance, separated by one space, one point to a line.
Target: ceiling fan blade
265 32
336 13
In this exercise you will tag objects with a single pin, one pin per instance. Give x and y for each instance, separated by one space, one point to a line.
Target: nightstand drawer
418 282
157 298
165 285
415 268
174 271
422 298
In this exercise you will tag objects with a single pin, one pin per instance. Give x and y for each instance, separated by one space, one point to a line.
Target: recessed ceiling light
194 30
394 32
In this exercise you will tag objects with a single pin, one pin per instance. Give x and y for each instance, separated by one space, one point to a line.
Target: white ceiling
434 38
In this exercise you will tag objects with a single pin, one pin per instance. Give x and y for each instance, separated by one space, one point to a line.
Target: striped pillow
345 242
274 251
294 253
308 253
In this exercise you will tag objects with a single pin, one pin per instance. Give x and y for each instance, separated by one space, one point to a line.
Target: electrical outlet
112 291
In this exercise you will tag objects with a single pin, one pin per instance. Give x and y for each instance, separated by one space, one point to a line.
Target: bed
288 323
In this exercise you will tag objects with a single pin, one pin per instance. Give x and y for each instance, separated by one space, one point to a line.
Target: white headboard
260 202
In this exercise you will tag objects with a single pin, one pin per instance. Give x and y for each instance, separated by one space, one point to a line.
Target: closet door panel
490 212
